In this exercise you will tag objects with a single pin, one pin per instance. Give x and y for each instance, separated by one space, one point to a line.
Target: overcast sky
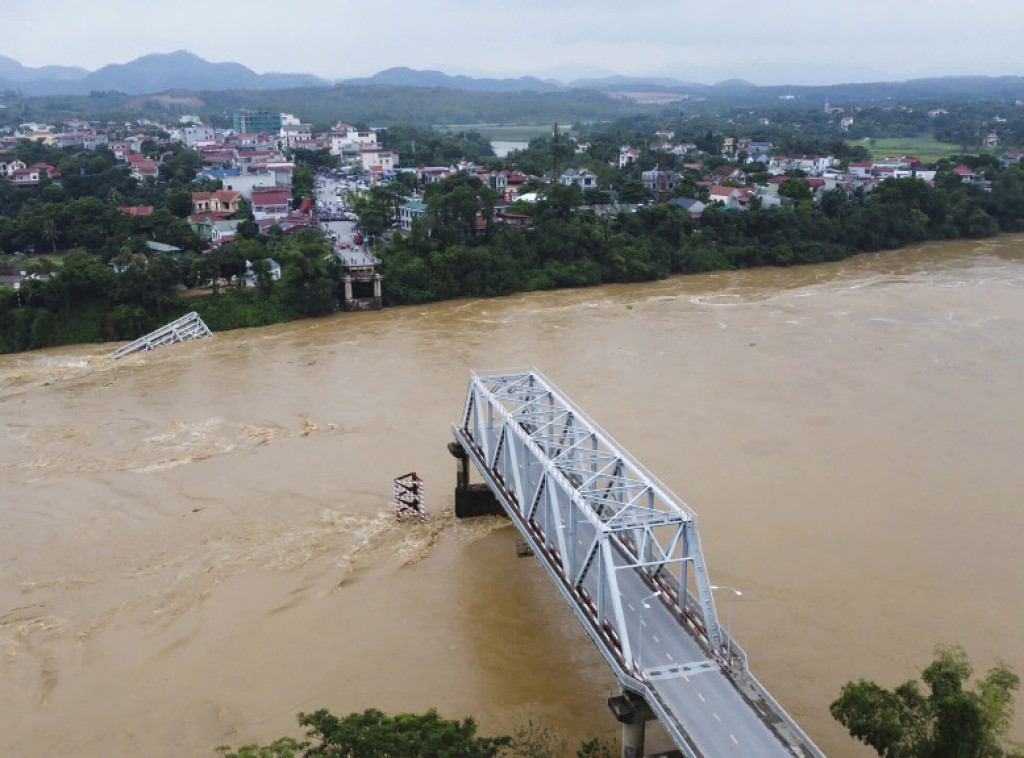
778 42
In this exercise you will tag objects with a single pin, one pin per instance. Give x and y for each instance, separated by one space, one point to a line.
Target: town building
246 121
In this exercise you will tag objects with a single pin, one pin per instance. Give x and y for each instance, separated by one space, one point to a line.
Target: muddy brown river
198 543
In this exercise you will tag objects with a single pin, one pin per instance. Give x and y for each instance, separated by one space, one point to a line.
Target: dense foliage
87 302
373 734
947 721
445 256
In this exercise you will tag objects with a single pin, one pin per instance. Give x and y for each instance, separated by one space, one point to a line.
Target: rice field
925 147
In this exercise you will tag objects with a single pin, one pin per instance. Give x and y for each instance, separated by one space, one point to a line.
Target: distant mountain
12 71
409 77
734 84
153 74
149 74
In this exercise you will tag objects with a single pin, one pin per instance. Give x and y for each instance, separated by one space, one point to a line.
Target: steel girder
589 507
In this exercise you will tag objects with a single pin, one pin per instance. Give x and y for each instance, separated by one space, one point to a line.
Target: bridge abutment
471 500
633 713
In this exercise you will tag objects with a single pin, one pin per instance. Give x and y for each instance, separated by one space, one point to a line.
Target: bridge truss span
624 552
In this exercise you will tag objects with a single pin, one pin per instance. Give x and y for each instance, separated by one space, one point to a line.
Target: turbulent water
197 543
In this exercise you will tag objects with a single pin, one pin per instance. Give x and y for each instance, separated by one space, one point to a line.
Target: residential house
497 181
432 174
24 177
408 212
344 138
967 176
271 203
661 182
861 169
221 201
291 134
1009 159
628 156
216 174
161 248
691 205
194 136
9 164
582 178
223 231
250 279
730 174
518 220
246 184
731 197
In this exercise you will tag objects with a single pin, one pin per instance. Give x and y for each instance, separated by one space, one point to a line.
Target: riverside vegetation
950 720
448 254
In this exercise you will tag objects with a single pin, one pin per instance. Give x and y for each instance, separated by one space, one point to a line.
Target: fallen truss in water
188 327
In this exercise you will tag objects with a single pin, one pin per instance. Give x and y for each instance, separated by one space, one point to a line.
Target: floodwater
197 543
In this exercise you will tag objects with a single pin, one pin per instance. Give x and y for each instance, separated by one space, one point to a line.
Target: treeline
86 301
452 254
81 208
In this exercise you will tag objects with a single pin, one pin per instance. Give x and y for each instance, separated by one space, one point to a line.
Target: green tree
180 203
285 747
373 734
949 721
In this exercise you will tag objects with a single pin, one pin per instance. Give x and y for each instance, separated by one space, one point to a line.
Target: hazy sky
782 41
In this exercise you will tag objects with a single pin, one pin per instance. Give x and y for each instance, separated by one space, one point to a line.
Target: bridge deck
624 552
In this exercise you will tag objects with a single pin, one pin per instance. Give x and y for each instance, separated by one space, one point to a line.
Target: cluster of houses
20 175
251 164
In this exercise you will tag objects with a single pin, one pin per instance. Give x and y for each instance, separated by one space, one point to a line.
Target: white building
584 179
378 159
345 138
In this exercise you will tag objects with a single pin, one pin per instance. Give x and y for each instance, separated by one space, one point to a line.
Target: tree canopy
949 720
374 734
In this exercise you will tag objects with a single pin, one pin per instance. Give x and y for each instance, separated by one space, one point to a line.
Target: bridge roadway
622 550
683 676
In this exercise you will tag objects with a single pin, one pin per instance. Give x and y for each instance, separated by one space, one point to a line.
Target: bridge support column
471 499
633 713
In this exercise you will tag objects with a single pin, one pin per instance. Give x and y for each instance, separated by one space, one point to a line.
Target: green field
503 132
925 147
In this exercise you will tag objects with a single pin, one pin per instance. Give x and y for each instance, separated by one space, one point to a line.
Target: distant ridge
185 71
408 77
150 73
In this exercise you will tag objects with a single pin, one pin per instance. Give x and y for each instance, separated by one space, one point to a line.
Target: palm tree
50 233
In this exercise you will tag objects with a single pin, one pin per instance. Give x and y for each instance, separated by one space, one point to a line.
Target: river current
198 542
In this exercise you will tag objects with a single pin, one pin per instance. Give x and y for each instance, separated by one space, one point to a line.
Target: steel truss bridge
624 552
188 327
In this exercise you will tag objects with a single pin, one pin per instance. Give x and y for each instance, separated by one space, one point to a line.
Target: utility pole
554 154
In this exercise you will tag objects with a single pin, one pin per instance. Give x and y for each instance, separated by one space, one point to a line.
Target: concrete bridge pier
471 499
633 713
